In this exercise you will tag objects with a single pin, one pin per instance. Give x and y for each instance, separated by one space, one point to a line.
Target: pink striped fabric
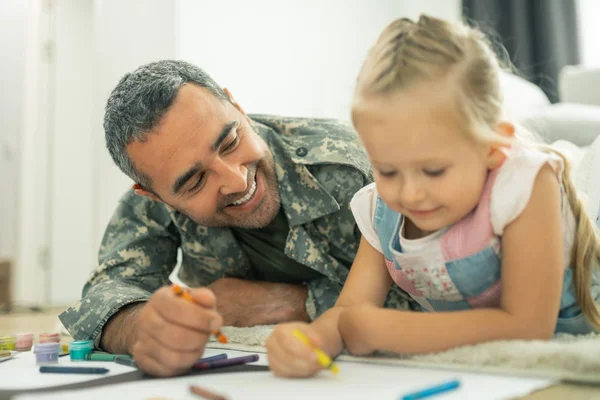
473 233
401 279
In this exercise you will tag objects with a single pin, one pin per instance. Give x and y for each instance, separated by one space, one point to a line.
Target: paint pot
7 342
24 341
49 338
46 353
78 349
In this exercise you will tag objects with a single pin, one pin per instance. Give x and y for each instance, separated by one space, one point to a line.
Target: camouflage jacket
319 165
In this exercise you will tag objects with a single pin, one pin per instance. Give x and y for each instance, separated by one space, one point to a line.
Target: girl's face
425 166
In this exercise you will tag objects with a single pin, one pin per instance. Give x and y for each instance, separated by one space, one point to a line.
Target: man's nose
233 177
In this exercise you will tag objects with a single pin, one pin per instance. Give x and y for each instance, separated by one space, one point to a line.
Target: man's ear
140 191
233 101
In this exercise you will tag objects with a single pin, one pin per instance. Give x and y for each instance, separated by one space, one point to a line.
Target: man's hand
248 303
166 335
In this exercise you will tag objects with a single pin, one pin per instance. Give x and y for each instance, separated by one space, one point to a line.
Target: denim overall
462 269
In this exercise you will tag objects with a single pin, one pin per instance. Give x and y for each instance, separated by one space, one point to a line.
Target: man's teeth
247 197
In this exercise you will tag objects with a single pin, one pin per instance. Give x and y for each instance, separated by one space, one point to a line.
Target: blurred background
61 58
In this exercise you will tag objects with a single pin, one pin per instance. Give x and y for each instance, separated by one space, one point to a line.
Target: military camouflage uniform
319 165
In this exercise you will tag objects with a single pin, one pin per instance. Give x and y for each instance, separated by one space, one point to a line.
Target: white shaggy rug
566 357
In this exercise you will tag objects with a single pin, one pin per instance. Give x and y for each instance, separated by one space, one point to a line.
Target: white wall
71 202
294 57
12 44
30 279
97 42
128 34
589 29
69 186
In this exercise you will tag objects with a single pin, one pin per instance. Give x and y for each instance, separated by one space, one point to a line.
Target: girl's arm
532 277
368 282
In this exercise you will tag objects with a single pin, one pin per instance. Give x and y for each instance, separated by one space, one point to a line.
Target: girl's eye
387 174
434 173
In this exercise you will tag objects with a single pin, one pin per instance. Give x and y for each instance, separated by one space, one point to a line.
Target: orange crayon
181 292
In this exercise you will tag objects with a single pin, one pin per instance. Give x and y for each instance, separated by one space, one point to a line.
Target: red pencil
205 394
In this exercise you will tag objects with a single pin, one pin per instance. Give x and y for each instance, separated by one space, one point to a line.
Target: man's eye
232 145
387 174
434 173
197 185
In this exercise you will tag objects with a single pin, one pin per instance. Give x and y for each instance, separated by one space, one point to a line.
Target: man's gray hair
140 100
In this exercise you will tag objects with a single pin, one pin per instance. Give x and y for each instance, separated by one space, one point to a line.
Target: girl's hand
356 325
288 356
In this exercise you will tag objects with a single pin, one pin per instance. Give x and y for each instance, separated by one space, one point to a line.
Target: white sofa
578 84
576 118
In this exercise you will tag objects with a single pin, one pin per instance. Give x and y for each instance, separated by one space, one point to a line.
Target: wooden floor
28 321
47 321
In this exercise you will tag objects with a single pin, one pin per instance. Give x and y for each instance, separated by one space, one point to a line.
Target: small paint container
7 342
46 353
24 341
80 348
49 338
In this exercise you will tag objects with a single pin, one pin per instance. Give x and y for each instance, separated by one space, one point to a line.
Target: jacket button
301 151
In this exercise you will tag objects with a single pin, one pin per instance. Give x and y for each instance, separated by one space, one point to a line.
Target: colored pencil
213 358
229 362
206 394
322 358
179 291
125 361
432 391
72 370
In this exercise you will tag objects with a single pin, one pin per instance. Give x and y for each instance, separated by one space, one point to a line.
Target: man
258 206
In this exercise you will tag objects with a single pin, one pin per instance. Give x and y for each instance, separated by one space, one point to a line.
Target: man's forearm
248 303
240 302
272 303
120 332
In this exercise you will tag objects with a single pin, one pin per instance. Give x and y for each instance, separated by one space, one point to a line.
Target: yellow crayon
322 358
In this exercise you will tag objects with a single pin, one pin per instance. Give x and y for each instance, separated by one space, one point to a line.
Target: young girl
480 227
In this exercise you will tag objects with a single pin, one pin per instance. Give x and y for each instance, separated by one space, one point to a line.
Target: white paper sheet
355 381
21 372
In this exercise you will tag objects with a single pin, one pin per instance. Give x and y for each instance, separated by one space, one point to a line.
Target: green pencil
104 356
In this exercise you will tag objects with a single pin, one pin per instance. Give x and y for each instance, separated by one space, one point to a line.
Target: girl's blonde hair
408 53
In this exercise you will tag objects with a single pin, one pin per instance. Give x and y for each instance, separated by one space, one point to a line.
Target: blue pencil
213 358
432 391
72 370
